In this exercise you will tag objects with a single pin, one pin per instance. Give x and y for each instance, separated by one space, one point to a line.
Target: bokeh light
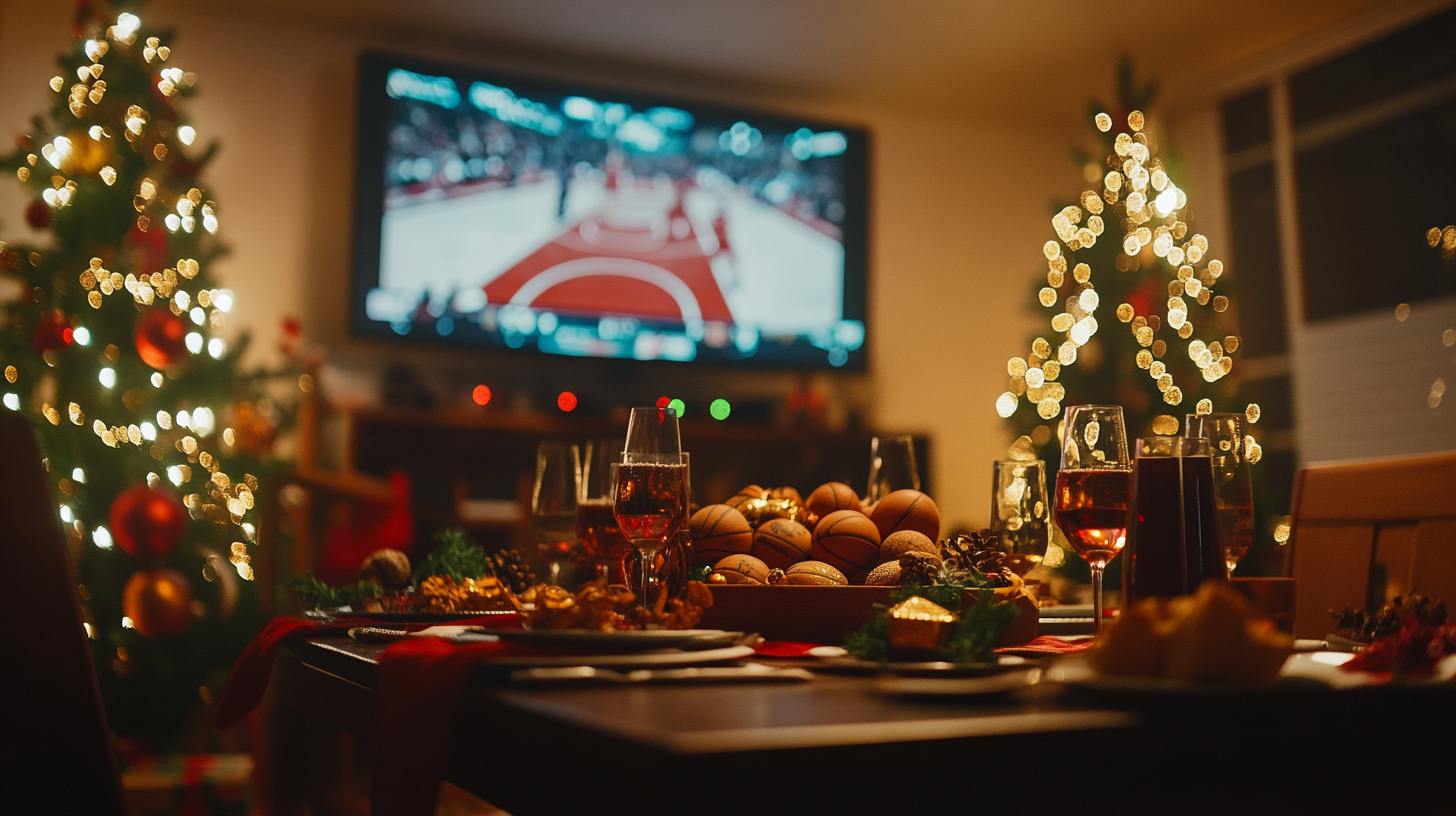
481 395
663 402
566 401
720 409
677 406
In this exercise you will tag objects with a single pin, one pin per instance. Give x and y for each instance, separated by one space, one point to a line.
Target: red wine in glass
601 538
1091 509
651 503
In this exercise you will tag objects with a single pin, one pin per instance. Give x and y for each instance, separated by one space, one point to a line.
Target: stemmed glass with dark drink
650 500
1094 486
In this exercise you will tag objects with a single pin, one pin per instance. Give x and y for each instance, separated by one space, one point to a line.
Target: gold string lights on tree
1138 195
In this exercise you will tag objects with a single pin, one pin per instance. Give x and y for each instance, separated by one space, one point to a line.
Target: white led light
82 336
107 377
78 475
217 348
101 537
223 299
197 315
66 515
156 379
149 432
194 341
12 401
186 134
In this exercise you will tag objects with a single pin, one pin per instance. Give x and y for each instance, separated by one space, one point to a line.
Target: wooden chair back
55 746
1363 532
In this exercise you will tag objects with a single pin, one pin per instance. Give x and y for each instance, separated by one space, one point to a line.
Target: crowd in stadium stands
433 151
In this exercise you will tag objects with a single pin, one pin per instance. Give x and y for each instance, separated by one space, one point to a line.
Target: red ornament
161 338
147 523
38 214
51 332
145 253
159 602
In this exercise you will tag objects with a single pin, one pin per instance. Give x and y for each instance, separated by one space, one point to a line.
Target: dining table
855 743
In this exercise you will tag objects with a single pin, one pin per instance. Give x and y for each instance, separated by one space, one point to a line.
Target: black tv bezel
370 139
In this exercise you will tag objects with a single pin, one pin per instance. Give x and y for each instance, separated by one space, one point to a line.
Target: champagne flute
1233 487
596 524
1020 513
1094 486
892 466
553 503
650 497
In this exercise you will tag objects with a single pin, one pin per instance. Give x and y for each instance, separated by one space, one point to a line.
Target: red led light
481 395
69 335
567 401
662 402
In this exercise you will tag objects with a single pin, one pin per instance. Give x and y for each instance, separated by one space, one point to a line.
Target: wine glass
1233 487
651 489
1094 486
553 503
892 466
596 524
1020 513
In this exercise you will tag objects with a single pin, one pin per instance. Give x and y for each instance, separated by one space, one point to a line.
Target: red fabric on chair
420 683
249 678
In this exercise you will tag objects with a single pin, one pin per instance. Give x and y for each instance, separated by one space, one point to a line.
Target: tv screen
512 213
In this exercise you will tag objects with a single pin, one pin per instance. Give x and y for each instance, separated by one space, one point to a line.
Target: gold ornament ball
159 603
87 155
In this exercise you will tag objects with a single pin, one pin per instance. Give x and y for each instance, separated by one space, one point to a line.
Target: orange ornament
159 602
161 338
147 523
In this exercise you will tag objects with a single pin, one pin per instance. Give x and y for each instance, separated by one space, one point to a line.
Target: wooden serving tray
822 614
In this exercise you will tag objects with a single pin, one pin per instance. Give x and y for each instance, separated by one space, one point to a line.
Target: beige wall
955 244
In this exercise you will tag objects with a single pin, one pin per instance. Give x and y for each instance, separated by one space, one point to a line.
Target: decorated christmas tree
1127 254
115 349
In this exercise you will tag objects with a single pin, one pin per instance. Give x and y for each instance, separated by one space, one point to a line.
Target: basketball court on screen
643 249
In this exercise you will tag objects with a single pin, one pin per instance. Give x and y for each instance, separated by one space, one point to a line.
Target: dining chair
54 744
1363 532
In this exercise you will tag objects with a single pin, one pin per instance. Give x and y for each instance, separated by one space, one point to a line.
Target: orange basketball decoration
813 573
147 523
159 602
747 493
161 338
719 531
780 543
830 497
742 569
847 541
898 543
907 510
788 494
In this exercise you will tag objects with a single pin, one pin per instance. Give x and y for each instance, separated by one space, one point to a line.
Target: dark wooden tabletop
835 744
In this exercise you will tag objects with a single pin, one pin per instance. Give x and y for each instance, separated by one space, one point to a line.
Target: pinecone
980 552
511 566
918 568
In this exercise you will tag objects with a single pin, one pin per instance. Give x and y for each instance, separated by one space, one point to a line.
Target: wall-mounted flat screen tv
510 213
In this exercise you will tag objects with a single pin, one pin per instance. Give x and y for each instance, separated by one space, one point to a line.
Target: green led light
720 409
677 405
